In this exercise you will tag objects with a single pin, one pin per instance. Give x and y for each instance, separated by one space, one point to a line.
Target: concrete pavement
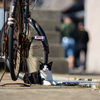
40 92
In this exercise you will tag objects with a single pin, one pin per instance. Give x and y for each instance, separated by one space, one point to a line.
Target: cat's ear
50 63
41 65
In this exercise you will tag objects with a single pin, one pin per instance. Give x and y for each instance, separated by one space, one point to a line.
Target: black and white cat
46 74
43 76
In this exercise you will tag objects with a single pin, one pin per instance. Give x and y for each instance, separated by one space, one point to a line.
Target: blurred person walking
81 39
68 41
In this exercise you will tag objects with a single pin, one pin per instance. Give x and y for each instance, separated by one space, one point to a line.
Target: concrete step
60 65
56 50
47 19
46 14
53 36
48 24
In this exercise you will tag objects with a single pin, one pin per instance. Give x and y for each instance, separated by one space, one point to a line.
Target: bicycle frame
25 16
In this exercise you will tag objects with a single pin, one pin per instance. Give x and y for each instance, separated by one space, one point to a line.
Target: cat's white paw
46 83
54 83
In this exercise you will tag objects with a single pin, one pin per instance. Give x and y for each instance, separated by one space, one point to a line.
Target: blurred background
87 11
72 29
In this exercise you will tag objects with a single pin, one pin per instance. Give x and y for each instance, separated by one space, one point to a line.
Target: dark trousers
78 49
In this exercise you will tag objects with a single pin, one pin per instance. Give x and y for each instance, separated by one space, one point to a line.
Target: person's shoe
70 70
81 68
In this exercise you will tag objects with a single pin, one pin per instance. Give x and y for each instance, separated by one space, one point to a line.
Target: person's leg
70 53
81 60
65 43
70 60
82 57
85 58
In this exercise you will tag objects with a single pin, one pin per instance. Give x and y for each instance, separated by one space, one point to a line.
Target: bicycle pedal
40 38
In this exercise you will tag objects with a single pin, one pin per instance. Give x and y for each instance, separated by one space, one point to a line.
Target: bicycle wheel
14 48
39 48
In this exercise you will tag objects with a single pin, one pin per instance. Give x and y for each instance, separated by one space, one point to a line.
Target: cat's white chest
48 80
47 76
45 73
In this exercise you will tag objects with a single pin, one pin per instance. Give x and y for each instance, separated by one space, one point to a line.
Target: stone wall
92 24
57 4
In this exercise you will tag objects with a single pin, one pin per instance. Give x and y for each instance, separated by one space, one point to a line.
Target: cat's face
45 67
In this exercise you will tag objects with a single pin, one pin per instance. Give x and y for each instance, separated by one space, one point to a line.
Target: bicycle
20 34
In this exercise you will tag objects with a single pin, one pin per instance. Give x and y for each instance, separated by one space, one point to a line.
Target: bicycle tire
44 46
40 48
14 48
